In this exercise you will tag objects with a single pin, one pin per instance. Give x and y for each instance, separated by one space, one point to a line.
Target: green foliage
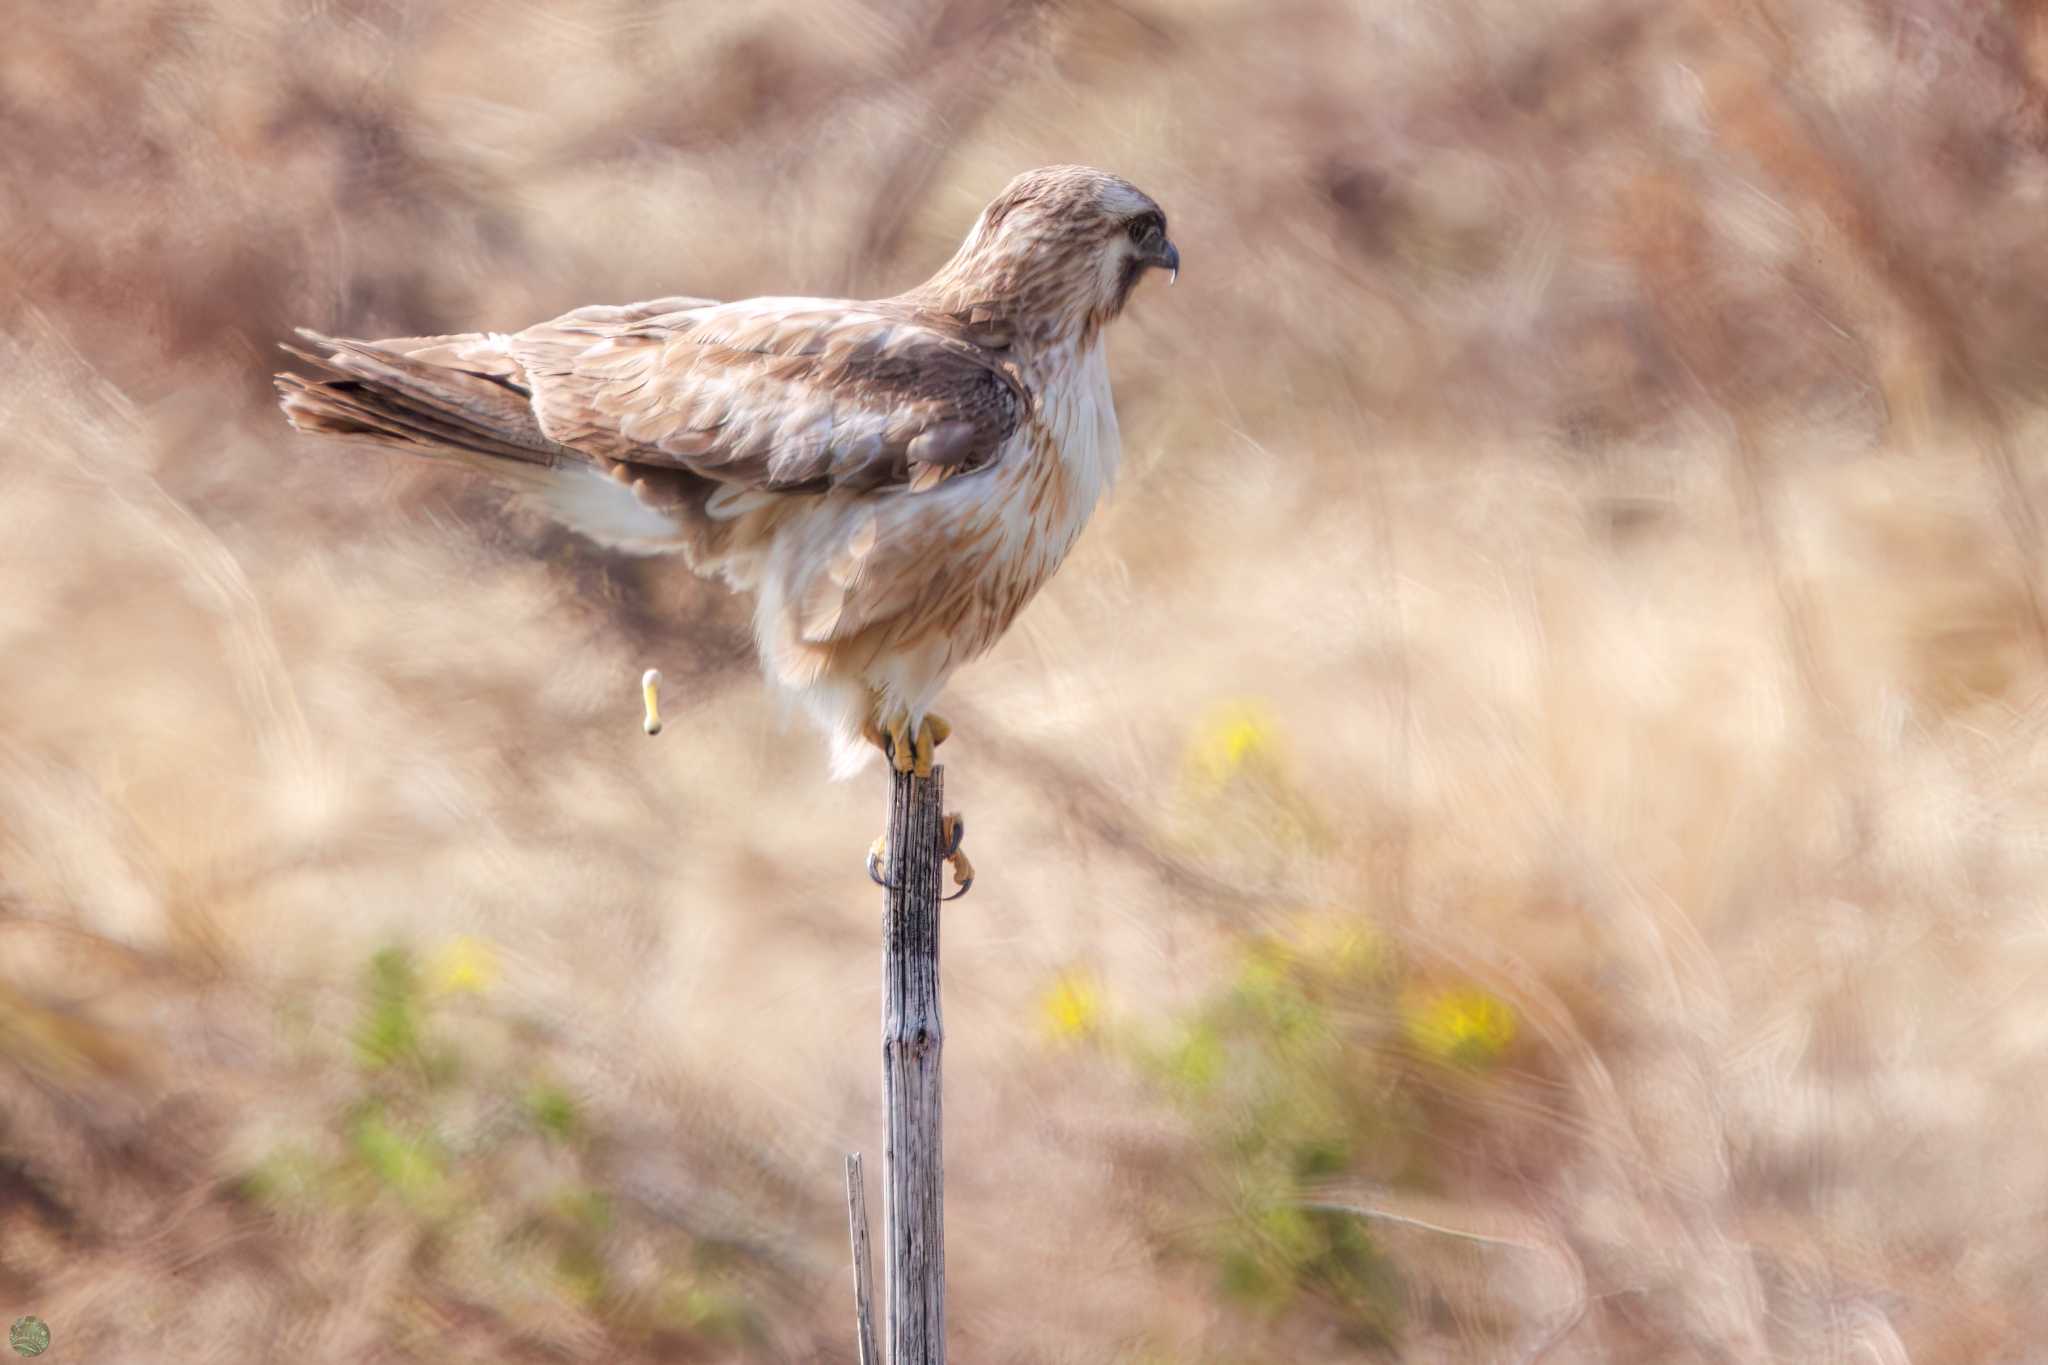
580 1268
426 1139
552 1112
389 1032
1297 1073
403 1159
1284 1094
693 1304
291 1177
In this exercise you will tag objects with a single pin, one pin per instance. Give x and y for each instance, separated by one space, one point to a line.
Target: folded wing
773 395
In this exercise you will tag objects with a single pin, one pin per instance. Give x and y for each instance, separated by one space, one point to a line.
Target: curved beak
1167 257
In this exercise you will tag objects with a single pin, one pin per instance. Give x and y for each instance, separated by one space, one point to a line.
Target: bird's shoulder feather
776 394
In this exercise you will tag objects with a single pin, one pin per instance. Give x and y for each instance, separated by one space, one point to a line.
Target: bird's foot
953 830
893 738
908 750
932 731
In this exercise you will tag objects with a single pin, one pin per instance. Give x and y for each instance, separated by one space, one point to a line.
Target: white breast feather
1082 414
1076 409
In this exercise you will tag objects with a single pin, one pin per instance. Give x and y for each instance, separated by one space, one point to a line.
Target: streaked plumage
893 480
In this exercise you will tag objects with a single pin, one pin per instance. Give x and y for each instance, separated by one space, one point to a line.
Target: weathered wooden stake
913 1167
913 1035
863 1268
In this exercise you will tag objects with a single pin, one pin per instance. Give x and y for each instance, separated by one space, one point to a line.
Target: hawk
891 479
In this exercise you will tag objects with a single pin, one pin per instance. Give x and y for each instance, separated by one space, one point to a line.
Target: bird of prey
891 479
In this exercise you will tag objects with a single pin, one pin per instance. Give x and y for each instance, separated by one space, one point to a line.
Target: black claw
965 887
875 873
959 834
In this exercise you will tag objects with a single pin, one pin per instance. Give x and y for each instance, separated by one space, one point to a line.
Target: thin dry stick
913 1171
863 1270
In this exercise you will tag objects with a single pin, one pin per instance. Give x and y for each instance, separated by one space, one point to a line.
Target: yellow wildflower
466 966
1464 1026
1071 1007
1235 736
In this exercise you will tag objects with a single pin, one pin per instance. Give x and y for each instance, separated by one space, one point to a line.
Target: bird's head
1058 252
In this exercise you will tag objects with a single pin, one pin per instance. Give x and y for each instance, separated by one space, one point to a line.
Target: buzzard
891 479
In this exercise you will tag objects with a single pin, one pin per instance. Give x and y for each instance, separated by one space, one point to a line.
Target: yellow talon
932 731
910 749
953 832
892 738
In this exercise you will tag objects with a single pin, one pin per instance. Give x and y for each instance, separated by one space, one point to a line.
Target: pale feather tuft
606 511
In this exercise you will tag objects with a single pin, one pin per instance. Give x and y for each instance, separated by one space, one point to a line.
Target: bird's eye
1142 226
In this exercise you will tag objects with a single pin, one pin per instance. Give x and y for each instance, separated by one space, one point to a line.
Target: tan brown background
1545 747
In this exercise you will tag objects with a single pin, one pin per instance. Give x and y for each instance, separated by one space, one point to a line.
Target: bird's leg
893 737
932 731
912 751
907 749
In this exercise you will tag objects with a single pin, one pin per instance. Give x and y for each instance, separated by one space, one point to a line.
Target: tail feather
461 399
349 408
383 393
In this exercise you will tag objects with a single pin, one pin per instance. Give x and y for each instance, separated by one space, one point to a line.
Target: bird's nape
1059 251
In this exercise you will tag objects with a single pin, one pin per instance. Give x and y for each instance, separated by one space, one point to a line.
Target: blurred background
1518 834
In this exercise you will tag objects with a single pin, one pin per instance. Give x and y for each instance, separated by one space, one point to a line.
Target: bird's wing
775 395
489 353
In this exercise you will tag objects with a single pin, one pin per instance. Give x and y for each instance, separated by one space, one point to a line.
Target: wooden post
863 1268
913 1169
913 1162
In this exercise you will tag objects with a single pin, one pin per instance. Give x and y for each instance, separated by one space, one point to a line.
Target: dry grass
1579 548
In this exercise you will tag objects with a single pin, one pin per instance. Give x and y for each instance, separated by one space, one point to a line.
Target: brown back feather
777 395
